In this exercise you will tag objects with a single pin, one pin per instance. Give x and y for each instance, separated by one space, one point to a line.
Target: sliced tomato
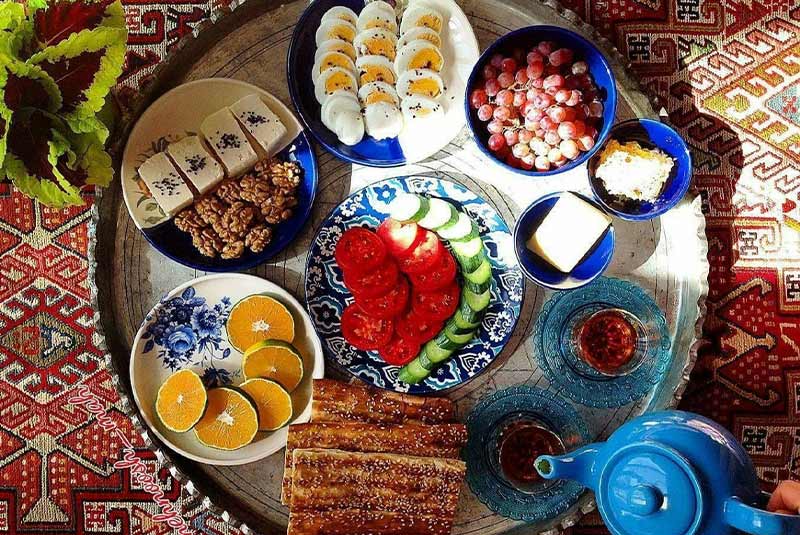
415 327
363 331
438 276
424 256
374 283
400 238
359 250
436 305
399 351
388 305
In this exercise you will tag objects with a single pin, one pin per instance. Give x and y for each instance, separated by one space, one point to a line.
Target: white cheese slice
195 162
260 122
165 184
568 232
229 142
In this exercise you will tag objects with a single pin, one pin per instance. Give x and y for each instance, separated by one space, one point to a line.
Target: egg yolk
380 47
376 73
378 96
334 60
380 22
346 49
341 31
426 58
424 86
432 38
338 80
429 20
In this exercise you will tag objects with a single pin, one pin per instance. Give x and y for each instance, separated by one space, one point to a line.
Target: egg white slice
420 15
379 7
377 42
377 15
416 109
342 13
419 32
374 92
420 82
418 54
335 45
375 69
337 102
329 60
334 79
350 127
335 29
383 120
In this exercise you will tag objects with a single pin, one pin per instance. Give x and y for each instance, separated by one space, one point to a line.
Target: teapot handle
756 521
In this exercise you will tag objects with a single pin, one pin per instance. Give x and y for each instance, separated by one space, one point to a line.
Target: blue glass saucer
556 351
484 477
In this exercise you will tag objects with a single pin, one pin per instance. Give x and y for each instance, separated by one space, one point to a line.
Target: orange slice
273 403
276 360
256 318
181 401
230 421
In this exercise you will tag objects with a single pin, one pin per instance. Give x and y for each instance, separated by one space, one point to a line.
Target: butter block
196 163
165 184
260 122
229 142
568 232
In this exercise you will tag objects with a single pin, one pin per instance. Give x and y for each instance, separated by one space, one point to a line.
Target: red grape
509 65
554 80
485 112
527 162
491 87
552 138
524 136
512 160
534 70
489 72
539 146
543 100
506 79
531 125
496 141
520 150
521 76
504 97
497 61
563 95
478 98
519 99
585 142
579 67
502 113
567 130
551 69
542 163
554 155
575 98
556 113
595 109
580 127
547 123
545 47
494 127
534 56
570 114
569 148
560 57
512 138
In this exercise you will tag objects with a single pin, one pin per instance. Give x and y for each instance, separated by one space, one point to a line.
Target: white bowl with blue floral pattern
186 329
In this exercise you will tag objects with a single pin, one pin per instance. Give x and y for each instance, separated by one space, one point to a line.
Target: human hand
786 498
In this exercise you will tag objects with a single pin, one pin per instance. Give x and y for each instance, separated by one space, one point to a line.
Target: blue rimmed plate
327 296
169 119
416 142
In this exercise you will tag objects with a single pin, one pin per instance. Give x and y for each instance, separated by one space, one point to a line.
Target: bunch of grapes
542 108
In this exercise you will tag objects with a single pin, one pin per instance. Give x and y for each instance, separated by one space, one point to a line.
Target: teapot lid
650 489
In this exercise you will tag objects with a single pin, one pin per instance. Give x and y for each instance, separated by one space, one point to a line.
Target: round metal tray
667 256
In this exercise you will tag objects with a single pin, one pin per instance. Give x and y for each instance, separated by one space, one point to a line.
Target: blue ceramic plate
542 273
525 38
167 120
327 296
650 134
416 142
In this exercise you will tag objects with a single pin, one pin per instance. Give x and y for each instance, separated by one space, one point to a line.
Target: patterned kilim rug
729 75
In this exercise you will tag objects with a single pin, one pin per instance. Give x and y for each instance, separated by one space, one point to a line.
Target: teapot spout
578 465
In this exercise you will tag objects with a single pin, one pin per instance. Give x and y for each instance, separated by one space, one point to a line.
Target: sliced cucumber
439 213
450 222
413 372
425 361
469 248
482 274
409 207
477 301
473 233
443 341
459 338
470 263
436 353
478 287
461 323
469 314
461 227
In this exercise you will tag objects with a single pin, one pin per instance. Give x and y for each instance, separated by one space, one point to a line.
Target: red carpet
728 74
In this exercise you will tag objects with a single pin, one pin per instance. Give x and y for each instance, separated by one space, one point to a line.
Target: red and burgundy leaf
24 92
59 19
74 76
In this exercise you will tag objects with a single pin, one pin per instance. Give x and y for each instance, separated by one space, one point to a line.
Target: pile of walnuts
237 215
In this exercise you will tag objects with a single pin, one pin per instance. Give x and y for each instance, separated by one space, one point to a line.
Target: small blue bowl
535 268
525 38
649 133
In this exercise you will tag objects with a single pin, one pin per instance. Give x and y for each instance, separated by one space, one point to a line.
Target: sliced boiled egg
335 45
377 92
333 79
375 69
377 15
420 82
376 42
341 13
419 33
350 127
418 54
421 16
383 120
332 59
417 108
337 102
335 29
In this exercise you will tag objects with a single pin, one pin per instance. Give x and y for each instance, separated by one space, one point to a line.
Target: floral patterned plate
186 329
327 296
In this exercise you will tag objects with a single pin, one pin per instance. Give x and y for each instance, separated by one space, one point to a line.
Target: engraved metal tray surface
666 256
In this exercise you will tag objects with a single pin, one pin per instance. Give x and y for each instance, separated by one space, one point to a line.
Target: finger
785 497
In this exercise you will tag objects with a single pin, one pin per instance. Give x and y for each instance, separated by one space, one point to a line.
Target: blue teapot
672 473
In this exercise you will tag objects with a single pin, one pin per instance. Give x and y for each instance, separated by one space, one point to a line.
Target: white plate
149 369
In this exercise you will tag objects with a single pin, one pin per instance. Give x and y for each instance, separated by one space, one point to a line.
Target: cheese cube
229 142
260 122
165 184
196 164
568 232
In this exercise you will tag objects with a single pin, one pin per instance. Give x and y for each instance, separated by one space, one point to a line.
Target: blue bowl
649 133
535 268
299 64
525 38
